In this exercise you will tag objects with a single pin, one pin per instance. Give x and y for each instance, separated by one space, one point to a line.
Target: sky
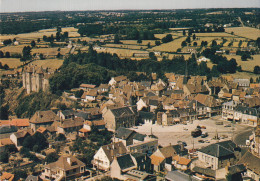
70 5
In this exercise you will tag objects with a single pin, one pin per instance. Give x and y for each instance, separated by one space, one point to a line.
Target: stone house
219 155
168 118
89 96
228 109
66 114
119 117
70 125
181 163
42 119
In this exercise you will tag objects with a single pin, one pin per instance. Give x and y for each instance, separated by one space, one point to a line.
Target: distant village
121 107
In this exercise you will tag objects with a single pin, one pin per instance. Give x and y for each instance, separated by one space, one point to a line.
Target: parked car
201 141
228 125
203 127
196 133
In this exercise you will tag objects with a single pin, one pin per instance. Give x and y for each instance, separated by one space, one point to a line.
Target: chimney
182 147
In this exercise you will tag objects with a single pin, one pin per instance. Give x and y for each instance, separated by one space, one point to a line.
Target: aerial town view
112 90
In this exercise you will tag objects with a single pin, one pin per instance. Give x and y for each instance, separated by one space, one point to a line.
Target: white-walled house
105 155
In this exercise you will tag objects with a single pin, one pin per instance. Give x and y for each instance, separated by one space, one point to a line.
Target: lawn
11 62
246 32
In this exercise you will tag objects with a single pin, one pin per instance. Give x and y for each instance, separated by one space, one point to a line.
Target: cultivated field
126 46
134 42
11 62
13 49
50 51
48 63
246 32
169 47
221 34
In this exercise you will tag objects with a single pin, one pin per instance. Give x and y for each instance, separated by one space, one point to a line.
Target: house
147 103
20 123
191 89
252 164
70 125
18 137
66 114
168 118
98 124
246 115
210 105
4 142
219 155
117 79
146 117
7 176
228 109
161 159
125 136
121 165
181 163
119 117
89 95
136 175
105 155
33 178
87 86
65 168
103 88
243 83
42 119
143 144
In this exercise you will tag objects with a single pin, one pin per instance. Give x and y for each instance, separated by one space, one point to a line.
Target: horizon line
129 10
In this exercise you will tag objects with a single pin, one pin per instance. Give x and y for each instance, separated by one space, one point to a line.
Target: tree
79 93
58 55
1 54
4 157
6 67
188 39
7 55
244 57
116 39
184 33
167 38
19 174
195 44
157 42
41 56
183 44
60 137
52 157
240 43
214 43
148 45
38 40
33 44
194 37
139 41
152 56
44 38
258 42
7 42
257 69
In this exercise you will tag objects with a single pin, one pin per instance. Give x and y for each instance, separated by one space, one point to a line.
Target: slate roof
67 112
7 129
149 94
251 162
125 161
207 100
82 114
123 111
237 169
33 178
221 149
115 149
205 171
139 137
123 133
136 175
179 176
153 102
146 115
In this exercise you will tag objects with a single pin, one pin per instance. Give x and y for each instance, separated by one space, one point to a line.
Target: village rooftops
7 177
70 123
44 117
65 163
251 162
